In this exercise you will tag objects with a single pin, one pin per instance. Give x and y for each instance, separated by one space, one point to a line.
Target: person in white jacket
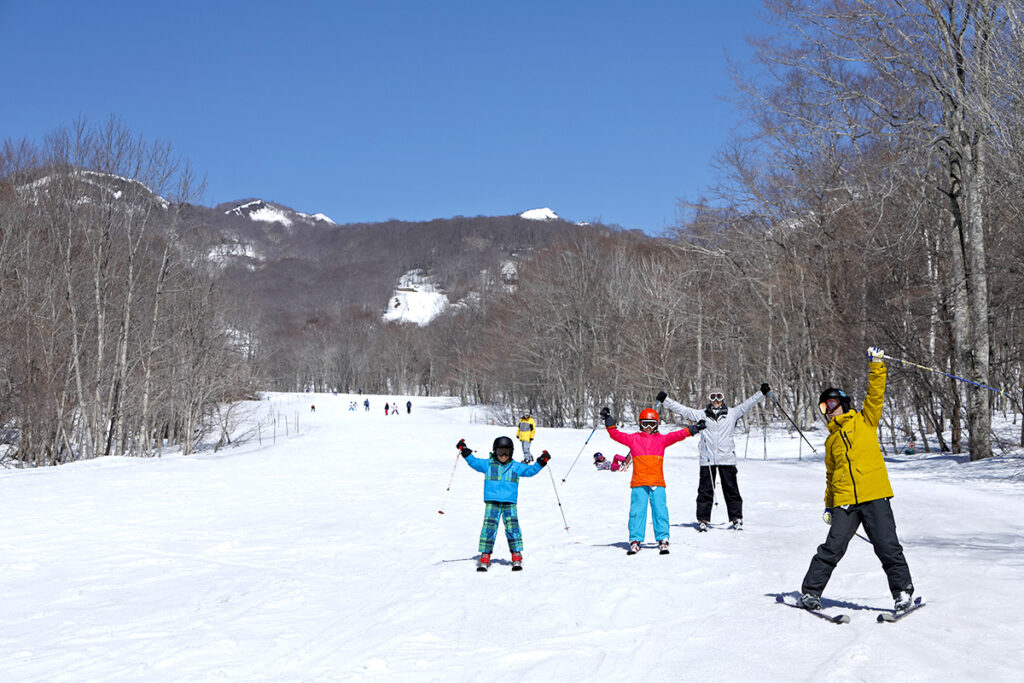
717 451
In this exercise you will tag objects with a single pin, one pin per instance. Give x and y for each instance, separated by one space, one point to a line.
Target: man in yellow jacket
527 430
857 490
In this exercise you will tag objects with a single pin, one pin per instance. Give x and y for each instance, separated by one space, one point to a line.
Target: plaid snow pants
492 513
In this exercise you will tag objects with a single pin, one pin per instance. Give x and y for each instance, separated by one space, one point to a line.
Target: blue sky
413 110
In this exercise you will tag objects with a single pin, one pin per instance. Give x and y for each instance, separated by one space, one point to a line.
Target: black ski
834 618
896 615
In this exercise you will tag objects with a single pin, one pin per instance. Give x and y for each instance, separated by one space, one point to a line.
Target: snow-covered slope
320 555
416 300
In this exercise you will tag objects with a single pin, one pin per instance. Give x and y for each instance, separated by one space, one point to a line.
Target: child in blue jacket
501 492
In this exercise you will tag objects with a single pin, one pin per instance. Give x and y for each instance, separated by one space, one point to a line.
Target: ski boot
663 546
517 562
634 548
810 601
527 459
737 524
483 562
903 600
702 525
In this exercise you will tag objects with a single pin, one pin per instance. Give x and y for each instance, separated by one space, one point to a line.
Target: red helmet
649 414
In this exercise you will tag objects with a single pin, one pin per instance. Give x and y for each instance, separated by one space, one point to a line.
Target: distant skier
312 408
366 405
857 490
394 408
387 408
501 493
527 430
618 462
648 484
408 407
717 452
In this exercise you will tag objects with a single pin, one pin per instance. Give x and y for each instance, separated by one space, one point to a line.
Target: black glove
543 459
660 398
461 444
464 450
765 388
609 421
697 427
604 412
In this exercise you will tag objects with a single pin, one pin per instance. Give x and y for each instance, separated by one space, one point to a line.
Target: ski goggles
648 424
828 405
503 451
716 396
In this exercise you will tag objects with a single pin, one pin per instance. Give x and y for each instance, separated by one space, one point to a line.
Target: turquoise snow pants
639 498
492 513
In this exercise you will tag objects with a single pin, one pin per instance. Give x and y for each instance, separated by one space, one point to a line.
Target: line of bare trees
114 338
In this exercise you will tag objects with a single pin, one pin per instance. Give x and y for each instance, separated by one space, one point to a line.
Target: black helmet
503 442
598 457
837 394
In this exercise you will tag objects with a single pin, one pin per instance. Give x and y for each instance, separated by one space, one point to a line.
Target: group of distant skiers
857 488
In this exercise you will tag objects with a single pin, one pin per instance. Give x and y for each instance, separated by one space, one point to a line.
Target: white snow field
322 557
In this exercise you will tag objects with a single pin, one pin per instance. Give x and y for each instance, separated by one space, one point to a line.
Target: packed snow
312 549
544 214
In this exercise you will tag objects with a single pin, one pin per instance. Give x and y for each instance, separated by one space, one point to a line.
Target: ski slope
321 556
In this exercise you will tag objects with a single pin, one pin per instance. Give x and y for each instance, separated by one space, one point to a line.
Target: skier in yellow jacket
527 430
857 490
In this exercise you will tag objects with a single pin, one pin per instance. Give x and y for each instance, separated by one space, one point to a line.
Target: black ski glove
461 444
543 459
765 388
606 413
660 398
697 427
464 450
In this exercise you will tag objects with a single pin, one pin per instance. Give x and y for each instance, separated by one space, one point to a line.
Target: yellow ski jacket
527 428
854 468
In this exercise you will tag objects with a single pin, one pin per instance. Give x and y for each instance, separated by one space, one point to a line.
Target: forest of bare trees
872 196
113 340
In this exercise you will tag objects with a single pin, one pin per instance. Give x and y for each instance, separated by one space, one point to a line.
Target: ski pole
450 480
923 367
580 453
559 500
790 420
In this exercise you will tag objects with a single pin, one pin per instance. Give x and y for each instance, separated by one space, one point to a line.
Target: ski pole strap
924 367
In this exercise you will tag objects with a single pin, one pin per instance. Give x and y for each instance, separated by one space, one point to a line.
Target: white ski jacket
716 445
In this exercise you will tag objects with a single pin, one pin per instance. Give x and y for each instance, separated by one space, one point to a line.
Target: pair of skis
887 616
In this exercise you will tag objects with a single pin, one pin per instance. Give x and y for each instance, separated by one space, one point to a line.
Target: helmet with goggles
716 395
649 418
831 399
503 446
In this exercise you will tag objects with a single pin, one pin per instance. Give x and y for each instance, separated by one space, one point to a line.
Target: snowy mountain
267 212
93 186
313 551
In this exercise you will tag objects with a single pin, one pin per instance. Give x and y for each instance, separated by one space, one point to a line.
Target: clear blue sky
413 110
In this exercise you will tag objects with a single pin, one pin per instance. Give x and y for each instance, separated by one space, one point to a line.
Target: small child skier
648 484
618 462
501 492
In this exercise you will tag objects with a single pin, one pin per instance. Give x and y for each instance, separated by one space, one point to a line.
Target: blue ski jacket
501 482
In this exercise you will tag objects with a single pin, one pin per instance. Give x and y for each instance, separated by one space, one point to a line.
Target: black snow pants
880 527
730 491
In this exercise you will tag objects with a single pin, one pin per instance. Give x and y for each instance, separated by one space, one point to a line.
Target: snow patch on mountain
259 210
544 214
416 300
